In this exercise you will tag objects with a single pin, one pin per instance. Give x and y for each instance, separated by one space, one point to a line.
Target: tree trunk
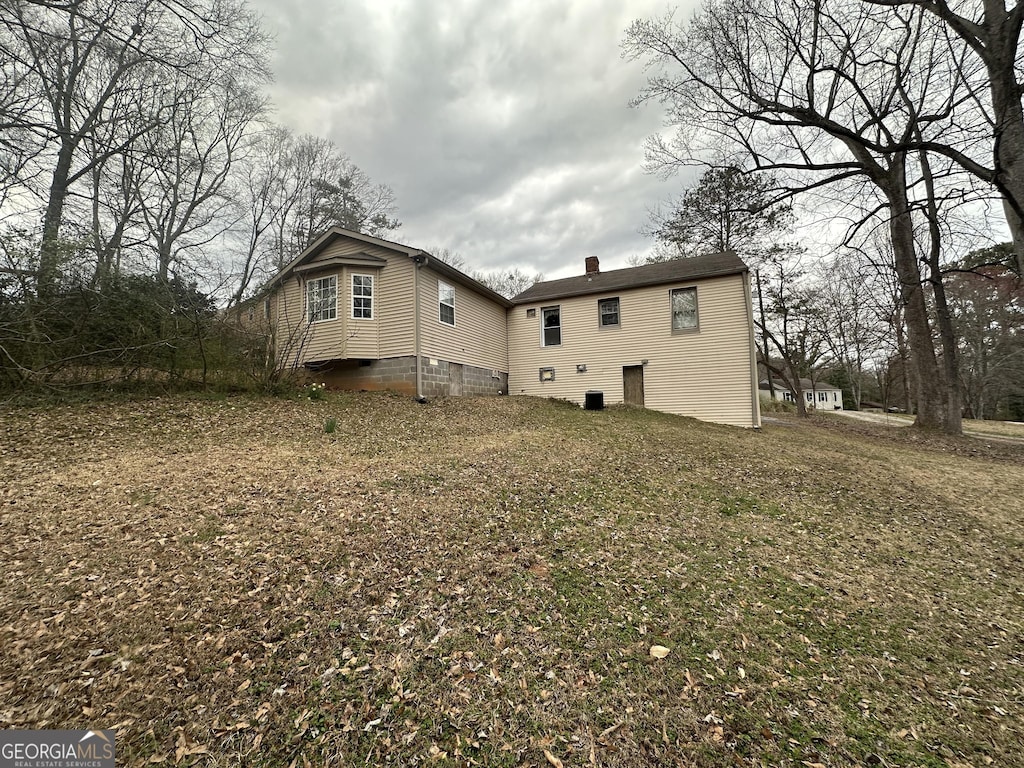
952 417
164 262
1001 53
1009 159
930 403
50 248
764 352
953 421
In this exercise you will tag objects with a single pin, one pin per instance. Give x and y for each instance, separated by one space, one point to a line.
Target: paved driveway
877 418
890 420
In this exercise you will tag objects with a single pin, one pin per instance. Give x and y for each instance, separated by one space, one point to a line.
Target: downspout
755 401
419 259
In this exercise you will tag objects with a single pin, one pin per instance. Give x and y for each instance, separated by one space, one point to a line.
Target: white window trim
442 303
309 284
372 297
543 327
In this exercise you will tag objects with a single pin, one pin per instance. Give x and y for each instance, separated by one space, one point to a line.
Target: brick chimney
593 265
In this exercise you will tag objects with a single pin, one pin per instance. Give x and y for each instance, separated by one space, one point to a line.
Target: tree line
141 173
898 120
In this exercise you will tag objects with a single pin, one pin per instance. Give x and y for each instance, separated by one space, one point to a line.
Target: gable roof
678 270
298 264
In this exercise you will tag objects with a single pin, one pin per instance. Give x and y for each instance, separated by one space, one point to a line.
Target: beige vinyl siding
479 336
387 334
704 373
396 305
362 335
340 337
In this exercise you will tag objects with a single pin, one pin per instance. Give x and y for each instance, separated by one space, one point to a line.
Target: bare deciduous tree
508 282
188 162
296 188
89 79
828 93
789 327
992 30
850 325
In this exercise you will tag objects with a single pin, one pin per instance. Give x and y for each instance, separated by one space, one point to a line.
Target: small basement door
633 385
455 379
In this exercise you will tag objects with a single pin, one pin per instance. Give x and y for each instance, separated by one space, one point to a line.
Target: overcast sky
503 128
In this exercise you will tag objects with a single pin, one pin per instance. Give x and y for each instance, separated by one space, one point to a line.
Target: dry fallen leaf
231 565
660 651
552 759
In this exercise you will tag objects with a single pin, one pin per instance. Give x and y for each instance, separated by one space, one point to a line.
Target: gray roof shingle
679 270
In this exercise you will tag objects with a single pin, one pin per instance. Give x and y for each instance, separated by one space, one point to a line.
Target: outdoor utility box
593 400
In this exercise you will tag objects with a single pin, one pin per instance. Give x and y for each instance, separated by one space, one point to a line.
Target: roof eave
466 281
318 245
525 298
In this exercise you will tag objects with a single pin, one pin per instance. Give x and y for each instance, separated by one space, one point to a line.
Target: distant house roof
678 270
805 384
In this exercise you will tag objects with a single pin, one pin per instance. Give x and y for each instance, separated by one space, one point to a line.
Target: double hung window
608 313
322 299
445 303
551 326
362 297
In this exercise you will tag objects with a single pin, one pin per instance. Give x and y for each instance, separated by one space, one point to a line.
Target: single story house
360 312
817 394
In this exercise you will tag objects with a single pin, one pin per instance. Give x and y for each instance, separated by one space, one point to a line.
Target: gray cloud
502 127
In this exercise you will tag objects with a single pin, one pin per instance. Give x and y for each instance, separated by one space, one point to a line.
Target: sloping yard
483 581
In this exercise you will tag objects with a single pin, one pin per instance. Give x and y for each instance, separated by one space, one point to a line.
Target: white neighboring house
817 394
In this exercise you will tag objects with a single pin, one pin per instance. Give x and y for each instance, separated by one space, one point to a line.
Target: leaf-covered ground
482 582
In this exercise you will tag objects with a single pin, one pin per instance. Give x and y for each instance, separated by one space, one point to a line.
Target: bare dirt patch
481 582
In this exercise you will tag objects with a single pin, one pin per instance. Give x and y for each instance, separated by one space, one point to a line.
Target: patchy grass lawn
482 582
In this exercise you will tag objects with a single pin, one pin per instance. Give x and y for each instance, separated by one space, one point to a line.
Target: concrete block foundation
398 374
